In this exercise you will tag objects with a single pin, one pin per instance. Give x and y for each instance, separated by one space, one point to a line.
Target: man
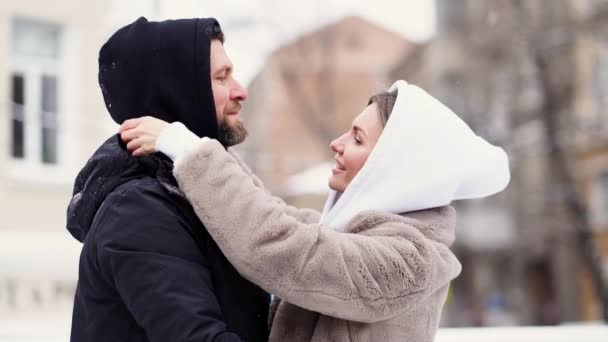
149 271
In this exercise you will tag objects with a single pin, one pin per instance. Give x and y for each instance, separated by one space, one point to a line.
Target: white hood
426 157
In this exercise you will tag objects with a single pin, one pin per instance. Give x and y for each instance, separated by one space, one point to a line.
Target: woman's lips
338 168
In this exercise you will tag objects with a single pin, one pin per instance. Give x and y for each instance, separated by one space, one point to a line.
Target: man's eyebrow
360 130
225 68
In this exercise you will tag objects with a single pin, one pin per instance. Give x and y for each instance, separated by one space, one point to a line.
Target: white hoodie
426 157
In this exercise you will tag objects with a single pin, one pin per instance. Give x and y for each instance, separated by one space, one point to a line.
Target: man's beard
231 134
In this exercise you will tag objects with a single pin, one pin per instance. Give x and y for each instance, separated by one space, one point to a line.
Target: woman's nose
336 146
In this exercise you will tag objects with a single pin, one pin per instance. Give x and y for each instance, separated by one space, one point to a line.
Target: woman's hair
385 102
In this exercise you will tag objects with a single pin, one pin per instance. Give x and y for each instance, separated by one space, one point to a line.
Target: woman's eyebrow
360 130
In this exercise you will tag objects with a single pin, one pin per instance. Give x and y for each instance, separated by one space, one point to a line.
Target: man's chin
232 132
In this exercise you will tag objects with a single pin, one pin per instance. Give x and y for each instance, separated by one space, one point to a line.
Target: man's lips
233 110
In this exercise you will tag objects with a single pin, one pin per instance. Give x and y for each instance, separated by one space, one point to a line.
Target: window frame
598 205
599 87
32 170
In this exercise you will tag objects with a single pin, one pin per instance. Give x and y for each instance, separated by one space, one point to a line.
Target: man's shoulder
138 187
142 215
145 193
142 202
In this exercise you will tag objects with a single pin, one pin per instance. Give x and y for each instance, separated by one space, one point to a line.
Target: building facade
308 93
52 118
50 115
510 68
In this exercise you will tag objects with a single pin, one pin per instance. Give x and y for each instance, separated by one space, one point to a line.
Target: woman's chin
335 185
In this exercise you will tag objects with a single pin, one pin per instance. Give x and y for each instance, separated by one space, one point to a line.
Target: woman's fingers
140 134
130 124
134 144
129 135
139 152
141 146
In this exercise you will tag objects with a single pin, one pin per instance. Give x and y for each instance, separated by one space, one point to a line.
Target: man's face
227 95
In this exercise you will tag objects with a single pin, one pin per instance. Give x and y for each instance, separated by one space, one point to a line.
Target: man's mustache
234 108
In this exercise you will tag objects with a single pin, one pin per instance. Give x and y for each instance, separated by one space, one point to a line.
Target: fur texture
385 278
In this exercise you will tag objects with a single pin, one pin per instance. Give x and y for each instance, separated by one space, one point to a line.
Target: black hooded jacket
149 271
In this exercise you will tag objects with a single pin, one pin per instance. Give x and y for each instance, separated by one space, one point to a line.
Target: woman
375 265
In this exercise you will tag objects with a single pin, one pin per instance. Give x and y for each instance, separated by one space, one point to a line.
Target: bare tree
557 92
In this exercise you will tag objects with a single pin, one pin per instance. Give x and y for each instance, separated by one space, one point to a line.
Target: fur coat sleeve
374 271
304 215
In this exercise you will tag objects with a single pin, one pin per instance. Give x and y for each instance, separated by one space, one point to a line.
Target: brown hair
217 33
385 102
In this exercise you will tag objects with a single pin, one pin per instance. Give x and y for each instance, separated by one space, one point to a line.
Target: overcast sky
254 28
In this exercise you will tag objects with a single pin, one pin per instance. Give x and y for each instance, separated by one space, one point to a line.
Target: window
35 93
600 87
18 119
48 119
594 7
599 201
34 39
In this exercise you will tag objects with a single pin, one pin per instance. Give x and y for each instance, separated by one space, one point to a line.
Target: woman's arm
175 140
370 276
301 214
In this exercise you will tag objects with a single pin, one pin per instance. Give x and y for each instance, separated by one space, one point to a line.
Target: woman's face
354 146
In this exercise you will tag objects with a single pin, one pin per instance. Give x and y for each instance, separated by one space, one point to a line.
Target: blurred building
307 94
50 120
590 112
519 249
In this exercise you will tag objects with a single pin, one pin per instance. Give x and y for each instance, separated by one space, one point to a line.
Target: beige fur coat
385 278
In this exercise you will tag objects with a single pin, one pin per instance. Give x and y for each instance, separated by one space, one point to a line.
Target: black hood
109 167
161 69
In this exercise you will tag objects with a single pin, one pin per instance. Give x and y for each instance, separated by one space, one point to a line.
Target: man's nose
238 93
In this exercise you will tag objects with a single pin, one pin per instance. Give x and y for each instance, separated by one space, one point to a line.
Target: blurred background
528 75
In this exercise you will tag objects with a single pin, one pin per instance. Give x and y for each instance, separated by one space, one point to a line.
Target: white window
599 201
37 94
600 87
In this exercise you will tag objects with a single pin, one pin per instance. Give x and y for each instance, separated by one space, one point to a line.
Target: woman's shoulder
435 223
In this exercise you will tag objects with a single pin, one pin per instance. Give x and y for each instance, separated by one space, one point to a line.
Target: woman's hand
141 134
